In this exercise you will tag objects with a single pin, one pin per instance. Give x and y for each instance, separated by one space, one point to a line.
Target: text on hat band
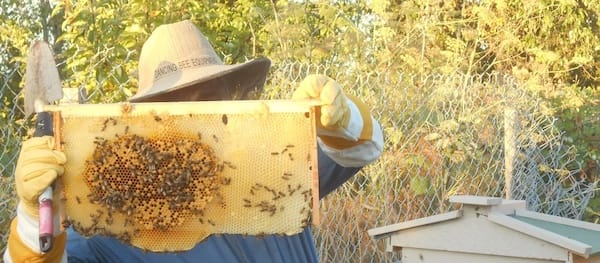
168 67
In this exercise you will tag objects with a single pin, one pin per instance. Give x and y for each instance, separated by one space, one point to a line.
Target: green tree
552 47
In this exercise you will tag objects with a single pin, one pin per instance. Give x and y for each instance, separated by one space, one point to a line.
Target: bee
229 164
126 108
199 212
126 129
125 237
291 157
130 211
226 181
157 118
100 230
273 192
65 223
215 138
211 222
274 153
224 119
95 217
78 200
104 125
289 146
286 176
261 235
304 222
306 196
173 205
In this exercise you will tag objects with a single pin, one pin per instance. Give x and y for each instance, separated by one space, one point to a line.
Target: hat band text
166 68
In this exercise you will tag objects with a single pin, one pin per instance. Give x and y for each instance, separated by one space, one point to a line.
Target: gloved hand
38 166
334 113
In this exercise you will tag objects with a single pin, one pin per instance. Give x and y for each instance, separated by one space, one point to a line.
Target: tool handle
43 126
46 219
46 226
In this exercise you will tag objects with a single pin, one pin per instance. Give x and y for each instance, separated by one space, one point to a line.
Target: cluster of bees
268 200
272 205
95 229
155 183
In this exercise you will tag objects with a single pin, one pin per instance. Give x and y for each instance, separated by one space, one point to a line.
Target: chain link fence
444 135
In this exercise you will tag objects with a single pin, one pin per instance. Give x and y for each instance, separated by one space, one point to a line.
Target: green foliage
21 23
103 39
579 112
98 37
14 39
551 46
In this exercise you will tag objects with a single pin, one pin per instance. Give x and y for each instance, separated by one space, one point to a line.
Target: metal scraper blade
42 81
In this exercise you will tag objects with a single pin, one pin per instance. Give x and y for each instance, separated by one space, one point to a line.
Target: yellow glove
38 166
334 113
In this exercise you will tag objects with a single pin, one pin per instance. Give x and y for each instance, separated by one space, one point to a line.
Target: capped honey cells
156 182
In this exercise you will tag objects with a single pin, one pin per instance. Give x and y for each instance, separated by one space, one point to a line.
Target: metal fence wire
444 135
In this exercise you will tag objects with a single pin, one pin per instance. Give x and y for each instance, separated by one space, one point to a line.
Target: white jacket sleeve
23 242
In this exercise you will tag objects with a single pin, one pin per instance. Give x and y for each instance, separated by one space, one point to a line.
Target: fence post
510 145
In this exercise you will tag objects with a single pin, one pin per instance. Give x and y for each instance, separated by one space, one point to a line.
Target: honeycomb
158 182
164 176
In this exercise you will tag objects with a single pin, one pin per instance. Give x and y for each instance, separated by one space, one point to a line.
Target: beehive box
164 176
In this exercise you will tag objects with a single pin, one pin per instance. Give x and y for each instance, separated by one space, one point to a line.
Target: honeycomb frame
145 173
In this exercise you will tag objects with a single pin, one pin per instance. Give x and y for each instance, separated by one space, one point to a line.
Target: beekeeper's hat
177 56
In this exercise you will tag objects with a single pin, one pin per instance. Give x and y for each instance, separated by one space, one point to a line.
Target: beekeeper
177 63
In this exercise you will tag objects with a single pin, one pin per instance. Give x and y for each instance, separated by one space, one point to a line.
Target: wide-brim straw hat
178 56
